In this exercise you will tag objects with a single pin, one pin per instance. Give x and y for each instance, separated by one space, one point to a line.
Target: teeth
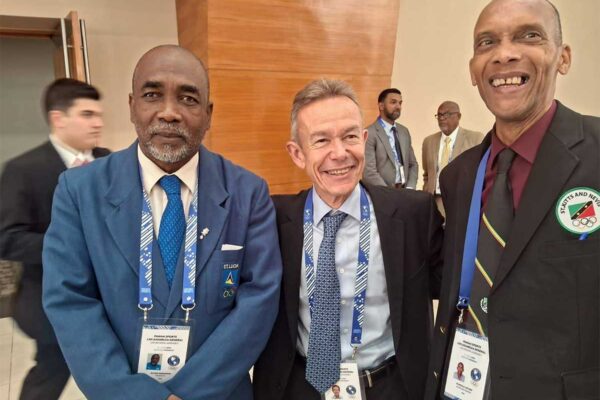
515 80
338 171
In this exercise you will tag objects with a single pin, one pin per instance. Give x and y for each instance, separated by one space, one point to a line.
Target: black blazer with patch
410 229
543 311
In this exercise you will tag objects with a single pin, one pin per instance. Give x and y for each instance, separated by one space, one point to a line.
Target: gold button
443 330
435 374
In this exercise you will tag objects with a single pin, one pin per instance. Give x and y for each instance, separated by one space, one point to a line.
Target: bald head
170 53
538 6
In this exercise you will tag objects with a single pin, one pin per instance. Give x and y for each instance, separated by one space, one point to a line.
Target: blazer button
435 374
443 330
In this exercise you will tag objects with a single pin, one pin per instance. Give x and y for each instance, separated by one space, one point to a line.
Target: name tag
468 368
163 350
348 387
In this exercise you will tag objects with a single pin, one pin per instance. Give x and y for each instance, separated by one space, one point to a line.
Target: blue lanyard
188 293
360 286
471 237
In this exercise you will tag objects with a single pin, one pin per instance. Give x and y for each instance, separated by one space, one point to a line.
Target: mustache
168 128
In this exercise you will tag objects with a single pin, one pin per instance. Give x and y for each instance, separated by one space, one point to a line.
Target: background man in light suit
92 248
389 156
74 114
328 142
541 312
437 153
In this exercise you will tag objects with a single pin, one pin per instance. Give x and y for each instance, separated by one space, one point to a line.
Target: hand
173 397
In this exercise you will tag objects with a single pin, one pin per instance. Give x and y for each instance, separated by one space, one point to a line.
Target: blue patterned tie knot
172 226
324 349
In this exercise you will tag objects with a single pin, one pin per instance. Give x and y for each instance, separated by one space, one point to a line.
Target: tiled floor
16 358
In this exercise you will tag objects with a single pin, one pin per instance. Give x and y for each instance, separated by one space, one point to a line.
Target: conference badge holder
349 387
163 346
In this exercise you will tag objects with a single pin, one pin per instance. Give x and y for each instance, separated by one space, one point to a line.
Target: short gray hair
316 90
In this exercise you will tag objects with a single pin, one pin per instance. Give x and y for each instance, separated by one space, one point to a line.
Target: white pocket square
229 247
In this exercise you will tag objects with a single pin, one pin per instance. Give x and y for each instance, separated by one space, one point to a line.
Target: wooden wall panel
260 53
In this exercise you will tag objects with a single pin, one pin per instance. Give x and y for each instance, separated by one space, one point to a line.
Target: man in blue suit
98 249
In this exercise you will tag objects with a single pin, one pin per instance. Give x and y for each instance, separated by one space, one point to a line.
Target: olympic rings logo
588 222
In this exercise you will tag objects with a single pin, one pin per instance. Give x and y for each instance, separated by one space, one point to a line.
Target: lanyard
360 285
188 293
471 238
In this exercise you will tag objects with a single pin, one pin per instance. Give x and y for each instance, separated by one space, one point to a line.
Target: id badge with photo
468 367
349 386
163 347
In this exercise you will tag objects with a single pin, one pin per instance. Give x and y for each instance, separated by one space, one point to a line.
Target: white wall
433 48
118 32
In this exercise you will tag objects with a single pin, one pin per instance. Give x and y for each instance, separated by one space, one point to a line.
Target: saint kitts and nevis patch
578 210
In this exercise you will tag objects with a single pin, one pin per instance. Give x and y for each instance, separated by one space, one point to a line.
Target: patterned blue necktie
172 226
324 349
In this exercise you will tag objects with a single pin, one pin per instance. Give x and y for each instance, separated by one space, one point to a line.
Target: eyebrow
189 89
152 85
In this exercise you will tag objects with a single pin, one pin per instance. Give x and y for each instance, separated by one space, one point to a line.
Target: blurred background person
74 115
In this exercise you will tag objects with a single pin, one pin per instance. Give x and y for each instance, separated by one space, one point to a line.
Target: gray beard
169 154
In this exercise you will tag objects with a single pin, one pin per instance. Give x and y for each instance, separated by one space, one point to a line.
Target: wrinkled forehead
505 16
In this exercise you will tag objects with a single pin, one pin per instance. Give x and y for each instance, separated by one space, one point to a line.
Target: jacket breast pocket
224 280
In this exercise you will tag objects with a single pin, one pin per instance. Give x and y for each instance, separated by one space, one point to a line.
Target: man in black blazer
404 265
540 308
74 115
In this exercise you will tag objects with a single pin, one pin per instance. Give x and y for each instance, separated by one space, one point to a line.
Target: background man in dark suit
74 114
389 156
405 235
535 290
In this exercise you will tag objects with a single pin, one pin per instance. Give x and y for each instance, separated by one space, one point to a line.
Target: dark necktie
397 145
172 226
324 349
494 228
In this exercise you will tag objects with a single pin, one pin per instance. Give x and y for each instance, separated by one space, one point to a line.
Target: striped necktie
494 228
324 348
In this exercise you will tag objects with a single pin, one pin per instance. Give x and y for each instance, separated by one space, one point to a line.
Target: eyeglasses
445 115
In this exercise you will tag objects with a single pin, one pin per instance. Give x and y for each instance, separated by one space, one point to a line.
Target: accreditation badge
163 349
348 387
468 367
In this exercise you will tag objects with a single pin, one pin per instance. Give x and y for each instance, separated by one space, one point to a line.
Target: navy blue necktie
324 349
172 226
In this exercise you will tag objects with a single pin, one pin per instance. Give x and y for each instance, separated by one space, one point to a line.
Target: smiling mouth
339 171
518 80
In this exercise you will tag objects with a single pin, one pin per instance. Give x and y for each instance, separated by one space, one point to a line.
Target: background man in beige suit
442 147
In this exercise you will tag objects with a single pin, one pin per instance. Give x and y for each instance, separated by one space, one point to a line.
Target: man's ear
296 153
473 80
56 119
131 108
564 63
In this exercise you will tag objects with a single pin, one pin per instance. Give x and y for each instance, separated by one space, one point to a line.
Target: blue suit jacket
91 258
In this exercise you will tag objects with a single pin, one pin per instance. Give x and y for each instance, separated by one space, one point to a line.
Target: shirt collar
151 173
67 153
527 145
351 206
388 127
452 136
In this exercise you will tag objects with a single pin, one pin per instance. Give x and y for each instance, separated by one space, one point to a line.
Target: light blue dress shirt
377 340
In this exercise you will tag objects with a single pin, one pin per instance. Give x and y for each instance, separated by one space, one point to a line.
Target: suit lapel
435 151
123 220
54 165
541 193
383 137
391 236
458 144
213 207
291 241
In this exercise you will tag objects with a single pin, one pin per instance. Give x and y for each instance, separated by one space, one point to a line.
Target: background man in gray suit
444 146
390 159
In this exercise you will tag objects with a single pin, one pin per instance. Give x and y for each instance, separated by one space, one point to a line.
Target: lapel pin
204 233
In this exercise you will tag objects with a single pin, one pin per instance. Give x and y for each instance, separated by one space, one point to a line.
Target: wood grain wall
259 53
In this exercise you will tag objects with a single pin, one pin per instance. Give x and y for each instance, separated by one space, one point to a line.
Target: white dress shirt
377 340
69 154
151 174
440 151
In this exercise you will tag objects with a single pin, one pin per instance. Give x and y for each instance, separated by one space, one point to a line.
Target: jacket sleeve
413 166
